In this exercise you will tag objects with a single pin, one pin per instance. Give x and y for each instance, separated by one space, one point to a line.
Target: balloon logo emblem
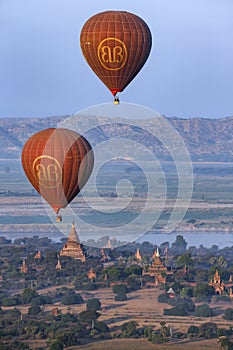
112 53
47 171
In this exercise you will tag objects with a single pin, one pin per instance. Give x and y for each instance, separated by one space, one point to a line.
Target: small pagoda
104 257
217 283
109 244
23 268
58 266
38 255
138 255
91 274
73 248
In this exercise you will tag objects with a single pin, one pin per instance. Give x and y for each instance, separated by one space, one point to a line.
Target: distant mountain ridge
206 139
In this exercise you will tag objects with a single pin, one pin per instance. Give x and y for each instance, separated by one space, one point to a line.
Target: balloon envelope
58 163
116 45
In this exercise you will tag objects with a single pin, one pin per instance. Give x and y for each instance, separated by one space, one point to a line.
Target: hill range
206 139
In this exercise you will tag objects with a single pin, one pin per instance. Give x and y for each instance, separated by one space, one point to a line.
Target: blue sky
189 72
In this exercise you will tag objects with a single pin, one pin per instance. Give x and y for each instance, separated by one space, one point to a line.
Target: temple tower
73 248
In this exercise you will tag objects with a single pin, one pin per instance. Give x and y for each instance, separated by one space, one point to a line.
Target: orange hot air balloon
116 45
58 163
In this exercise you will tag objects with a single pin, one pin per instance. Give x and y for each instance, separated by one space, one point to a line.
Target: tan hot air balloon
116 45
58 163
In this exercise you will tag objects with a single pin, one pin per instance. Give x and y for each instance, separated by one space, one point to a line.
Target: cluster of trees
183 305
200 263
60 330
66 296
165 333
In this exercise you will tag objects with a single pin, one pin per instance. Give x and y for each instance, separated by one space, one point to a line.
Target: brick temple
73 248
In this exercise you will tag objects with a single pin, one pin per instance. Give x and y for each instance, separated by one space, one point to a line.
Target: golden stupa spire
73 236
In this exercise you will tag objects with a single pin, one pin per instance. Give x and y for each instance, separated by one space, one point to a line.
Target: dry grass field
142 306
142 344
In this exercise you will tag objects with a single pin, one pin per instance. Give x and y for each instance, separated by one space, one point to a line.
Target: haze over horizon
188 74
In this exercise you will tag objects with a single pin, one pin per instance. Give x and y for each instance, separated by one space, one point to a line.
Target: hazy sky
189 72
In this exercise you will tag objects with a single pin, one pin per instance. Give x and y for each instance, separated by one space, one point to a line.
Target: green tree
101 327
157 338
129 328
88 316
186 292
13 345
119 288
177 310
133 282
27 295
11 301
203 292
225 343
184 260
133 270
147 332
164 331
70 299
203 311
208 330
193 331
113 273
181 308
34 310
93 304
179 246
228 314
57 345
